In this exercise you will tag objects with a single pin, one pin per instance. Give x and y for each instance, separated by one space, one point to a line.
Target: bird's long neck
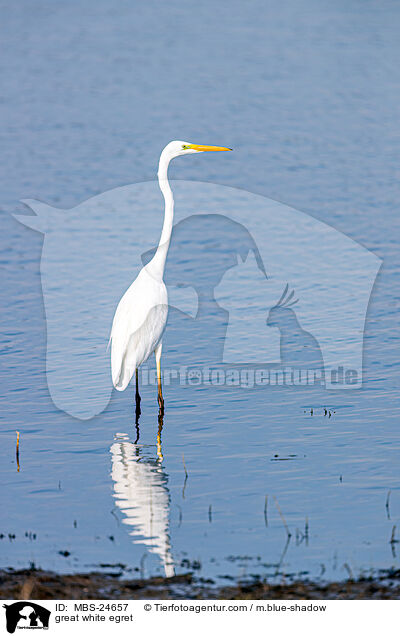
157 263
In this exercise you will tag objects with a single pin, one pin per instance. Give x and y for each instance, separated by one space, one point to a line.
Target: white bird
141 315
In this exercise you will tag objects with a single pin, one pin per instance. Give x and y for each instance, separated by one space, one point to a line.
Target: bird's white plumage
141 315
138 325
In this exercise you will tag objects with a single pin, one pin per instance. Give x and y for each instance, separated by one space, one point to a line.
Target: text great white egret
141 315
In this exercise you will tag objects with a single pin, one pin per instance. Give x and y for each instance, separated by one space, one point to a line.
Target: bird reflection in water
141 493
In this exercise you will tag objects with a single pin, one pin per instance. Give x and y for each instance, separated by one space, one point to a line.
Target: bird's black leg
137 416
138 410
137 396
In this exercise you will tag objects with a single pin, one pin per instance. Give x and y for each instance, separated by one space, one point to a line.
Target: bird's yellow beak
206 148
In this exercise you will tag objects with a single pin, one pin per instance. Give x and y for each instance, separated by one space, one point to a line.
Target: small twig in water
285 549
283 518
393 542
112 512
349 570
186 476
17 450
266 511
184 465
299 537
387 505
210 513
306 531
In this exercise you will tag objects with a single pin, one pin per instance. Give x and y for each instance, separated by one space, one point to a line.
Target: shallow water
308 96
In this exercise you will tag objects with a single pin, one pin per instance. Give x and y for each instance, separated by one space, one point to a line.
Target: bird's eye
185 147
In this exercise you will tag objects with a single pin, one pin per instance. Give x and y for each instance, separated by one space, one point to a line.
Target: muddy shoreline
41 585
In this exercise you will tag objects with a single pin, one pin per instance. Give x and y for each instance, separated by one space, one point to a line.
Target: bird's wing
131 328
128 318
119 339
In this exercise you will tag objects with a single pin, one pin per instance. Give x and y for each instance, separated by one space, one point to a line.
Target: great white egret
141 315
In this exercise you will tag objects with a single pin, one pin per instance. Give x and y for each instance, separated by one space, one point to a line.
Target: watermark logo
253 286
26 615
250 376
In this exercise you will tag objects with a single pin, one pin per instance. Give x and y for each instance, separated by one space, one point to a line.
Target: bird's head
178 148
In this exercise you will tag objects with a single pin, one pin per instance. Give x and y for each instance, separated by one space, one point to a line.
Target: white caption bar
127 617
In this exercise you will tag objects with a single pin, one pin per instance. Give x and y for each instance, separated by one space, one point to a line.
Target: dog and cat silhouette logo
250 281
26 615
